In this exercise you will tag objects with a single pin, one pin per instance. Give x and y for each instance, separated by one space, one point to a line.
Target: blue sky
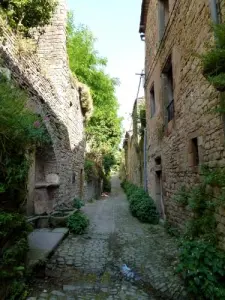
115 24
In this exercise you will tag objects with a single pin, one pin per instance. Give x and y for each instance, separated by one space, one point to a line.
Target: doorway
159 195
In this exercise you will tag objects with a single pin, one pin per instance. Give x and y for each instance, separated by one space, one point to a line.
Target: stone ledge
42 244
41 185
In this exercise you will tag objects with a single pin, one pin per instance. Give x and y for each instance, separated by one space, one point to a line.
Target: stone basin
59 218
54 220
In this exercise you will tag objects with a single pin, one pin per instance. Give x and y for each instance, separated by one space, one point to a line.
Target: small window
158 160
163 16
168 94
194 152
152 101
73 178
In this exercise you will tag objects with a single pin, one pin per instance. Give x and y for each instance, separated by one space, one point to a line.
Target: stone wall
56 175
170 158
134 148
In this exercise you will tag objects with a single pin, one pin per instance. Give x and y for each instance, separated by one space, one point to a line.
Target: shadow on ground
89 266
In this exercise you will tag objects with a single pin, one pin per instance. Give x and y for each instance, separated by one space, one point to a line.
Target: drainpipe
214 11
145 161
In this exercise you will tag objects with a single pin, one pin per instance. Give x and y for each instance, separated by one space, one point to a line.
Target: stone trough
49 231
55 219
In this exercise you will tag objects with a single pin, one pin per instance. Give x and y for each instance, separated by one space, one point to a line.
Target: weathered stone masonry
194 129
56 175
134 147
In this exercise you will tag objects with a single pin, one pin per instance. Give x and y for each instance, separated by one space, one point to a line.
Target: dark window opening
167 76
73 178
152 101
163 16
158 160
194 151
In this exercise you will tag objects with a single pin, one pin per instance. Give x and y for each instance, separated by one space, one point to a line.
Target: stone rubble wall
54 95
186 34
134 149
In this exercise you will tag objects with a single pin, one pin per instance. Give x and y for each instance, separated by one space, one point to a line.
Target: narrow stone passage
88 266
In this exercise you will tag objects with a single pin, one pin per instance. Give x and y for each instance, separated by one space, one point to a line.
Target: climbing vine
201 261
20 132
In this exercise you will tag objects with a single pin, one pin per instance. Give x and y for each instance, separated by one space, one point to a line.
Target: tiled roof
144 13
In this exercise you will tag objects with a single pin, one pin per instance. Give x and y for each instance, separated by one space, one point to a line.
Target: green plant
202 267
213 61
201 262
18 291
78 222
77 203
103 130
14 246
141 204
181 196
20 131
171 229
25 14
106 184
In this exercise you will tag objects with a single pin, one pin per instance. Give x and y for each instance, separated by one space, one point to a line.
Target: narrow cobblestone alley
88 266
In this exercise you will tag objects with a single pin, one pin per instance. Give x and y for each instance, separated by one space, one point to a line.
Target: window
152 101
215 10
158 160
167 77
163 11
194 152
73 178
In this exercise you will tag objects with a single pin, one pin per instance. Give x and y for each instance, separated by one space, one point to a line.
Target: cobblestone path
88 266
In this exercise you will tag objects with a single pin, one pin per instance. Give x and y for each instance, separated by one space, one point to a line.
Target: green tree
104 128
25 14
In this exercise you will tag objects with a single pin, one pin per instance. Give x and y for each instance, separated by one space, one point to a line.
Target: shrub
202 267
201 261
142 205
14 246
78 222
106 184
20 131
77 203
213 60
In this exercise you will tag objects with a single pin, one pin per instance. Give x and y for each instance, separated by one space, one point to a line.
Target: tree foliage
104 128
25 14
20 130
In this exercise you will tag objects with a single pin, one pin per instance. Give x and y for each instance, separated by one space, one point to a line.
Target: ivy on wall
201 260
20 131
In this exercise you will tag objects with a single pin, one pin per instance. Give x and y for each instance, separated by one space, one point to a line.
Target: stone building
134 145
183 131
56 175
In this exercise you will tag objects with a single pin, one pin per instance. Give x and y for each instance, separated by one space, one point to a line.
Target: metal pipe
145 161
214 11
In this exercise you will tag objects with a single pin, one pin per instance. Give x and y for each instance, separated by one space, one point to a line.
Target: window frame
168 85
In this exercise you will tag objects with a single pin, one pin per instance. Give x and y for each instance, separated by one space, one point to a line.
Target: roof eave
144 14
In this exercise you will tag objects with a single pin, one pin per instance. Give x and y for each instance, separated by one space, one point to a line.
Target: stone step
42 244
